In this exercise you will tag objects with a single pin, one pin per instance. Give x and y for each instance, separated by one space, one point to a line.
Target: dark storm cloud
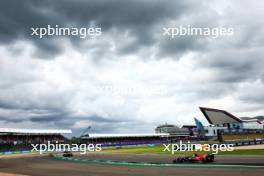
98 124
64 119
17 17
52 92
52 116
25 101
96 118
235 65
256 98
19 114
180 46
5 105
262 77
138 17
46 48
7 119
114 127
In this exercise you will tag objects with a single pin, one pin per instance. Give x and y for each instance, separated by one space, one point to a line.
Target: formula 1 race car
67 154
195 158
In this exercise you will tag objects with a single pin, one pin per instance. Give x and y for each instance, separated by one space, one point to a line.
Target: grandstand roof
217 116
98 135
34 131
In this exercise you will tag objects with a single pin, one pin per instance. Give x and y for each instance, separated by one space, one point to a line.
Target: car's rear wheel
179 160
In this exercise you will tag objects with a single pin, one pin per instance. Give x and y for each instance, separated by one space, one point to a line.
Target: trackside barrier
244 142
14 152
60 157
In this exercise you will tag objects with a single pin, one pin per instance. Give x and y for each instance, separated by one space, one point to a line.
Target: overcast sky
131 78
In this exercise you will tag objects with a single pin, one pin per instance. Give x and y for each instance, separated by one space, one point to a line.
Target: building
211 131
207 131
12 139
192 129
221 118
173 130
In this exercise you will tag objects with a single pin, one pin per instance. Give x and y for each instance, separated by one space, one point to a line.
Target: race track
46 165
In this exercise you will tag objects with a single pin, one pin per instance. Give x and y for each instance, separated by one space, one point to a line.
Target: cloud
132 78
136 17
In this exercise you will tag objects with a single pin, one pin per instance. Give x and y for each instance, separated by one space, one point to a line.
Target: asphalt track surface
46 165
231 160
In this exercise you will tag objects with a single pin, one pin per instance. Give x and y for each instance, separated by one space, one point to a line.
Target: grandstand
227 137
228 127
21 139
125 139
223 118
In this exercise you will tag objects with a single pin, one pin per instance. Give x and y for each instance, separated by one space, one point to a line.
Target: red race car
204 158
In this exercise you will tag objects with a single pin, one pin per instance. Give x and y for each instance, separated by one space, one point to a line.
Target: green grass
138 150
159 150
244 152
